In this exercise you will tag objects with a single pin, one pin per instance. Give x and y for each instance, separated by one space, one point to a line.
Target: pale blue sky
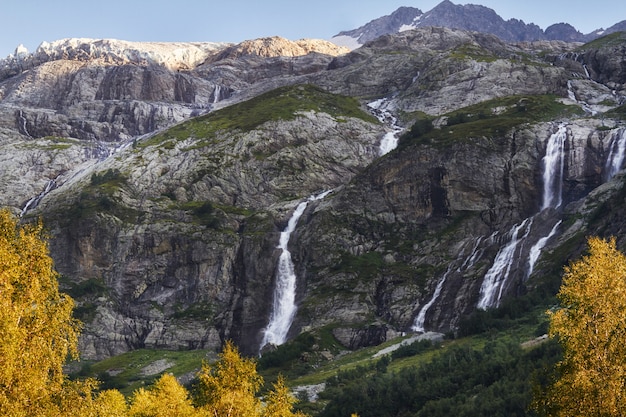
30 22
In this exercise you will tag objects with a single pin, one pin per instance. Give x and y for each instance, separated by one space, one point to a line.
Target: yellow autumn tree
591 327
228 387
280 401
36 325
166 398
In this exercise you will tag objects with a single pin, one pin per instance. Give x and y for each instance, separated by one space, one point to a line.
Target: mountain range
470 17
199 192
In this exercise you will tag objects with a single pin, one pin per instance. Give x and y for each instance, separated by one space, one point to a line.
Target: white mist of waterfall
493 283
389 142
554 163
615 159
418 324
284 304
535 251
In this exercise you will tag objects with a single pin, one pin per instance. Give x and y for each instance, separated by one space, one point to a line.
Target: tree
228 387
166 398
36 324
591 327
280 401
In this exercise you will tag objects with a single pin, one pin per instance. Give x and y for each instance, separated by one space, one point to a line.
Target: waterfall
418 324
615 159
495 279
33 202
284 305
389 142
23 120
553 164
217 93
535 251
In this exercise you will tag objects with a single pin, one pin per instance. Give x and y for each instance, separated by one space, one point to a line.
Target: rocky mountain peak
466 17
563 31
276 46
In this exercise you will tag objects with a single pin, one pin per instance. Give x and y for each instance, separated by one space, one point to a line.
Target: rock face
166 178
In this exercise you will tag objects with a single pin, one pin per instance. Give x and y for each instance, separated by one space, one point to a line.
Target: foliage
610 40
287 352
166 398
618 112
36 324
280 104
412 349
280 401
489 119
462 380
591 327
229 386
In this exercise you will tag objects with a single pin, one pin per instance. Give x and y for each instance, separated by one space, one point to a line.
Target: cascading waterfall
389 142
615 160
284 305
33 202
535 251
24 121
418 324
553 165
495 279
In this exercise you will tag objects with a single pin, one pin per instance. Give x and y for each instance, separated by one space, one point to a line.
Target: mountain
468 17
196 193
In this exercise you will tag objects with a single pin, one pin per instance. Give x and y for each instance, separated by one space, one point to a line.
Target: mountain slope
171 189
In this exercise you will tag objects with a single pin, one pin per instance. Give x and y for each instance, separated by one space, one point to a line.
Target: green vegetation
100 196
618 112
613 39
281 104
203 213
473 52
132 370
490 119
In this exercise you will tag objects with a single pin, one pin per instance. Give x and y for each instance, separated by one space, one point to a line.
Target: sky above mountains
30 22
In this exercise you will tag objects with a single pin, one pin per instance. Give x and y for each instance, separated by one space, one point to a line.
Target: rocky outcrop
276 46
429 213
182 231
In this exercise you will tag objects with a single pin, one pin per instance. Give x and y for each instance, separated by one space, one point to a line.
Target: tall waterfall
553 165
418 324
495 279
494 282
284 304
535 251
615 159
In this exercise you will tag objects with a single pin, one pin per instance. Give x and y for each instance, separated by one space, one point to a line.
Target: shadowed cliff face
167 235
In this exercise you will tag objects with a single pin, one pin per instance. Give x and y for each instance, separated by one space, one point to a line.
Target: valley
316 205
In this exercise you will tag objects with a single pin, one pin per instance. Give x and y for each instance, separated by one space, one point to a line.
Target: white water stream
381 109
284 304
615 160
420 320
495 279
553 165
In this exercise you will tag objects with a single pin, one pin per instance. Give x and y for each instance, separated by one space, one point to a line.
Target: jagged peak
275 46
